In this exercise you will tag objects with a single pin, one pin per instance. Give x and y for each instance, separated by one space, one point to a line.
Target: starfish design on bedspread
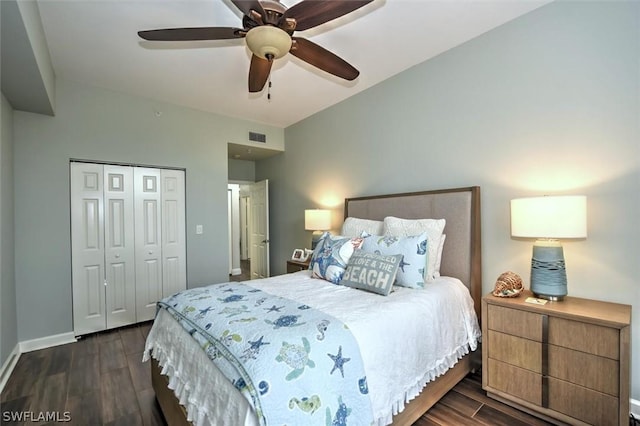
274 308
204 312
254 348
338 361
256 345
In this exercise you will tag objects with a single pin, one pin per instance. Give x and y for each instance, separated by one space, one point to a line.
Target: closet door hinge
105 283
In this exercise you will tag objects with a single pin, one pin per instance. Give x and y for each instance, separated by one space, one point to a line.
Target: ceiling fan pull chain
269 89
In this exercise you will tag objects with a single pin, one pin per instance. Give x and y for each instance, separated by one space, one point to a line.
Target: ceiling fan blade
246 6
258 73
188 34
311 13
323 59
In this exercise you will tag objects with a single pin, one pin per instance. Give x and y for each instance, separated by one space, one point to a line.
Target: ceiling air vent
257 137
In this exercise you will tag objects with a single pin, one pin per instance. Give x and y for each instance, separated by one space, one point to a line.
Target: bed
222 403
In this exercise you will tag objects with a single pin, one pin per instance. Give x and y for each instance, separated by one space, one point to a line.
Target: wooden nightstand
296 265
564 361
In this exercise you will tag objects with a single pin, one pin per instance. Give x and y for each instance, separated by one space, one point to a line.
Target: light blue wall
546 104
242 170
8 316
96 124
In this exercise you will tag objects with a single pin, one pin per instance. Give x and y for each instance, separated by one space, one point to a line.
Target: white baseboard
47 342
9 365
236 271
635 408
28 346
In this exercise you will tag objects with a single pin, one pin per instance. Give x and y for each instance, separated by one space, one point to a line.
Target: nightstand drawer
584 337
583 404
516 351
591 371
515 381
515 322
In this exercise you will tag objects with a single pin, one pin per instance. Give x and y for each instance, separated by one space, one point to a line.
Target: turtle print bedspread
296 365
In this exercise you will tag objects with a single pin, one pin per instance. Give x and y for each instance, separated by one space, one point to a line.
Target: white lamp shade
317 220
549 217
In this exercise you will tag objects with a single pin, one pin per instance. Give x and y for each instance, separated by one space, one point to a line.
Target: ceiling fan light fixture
268 42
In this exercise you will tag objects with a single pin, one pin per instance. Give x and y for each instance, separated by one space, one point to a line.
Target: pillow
413 249
371 272
354 227
433 227
439 257
331 255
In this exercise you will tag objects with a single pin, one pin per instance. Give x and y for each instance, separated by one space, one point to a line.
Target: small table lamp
317 221
547 219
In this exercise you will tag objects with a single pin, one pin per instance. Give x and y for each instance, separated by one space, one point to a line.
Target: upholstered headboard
461 256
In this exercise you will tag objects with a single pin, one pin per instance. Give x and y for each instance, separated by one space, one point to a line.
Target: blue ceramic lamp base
548 273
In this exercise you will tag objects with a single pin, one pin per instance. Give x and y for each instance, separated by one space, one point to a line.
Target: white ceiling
96 42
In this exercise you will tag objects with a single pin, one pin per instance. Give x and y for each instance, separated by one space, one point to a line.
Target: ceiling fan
268 28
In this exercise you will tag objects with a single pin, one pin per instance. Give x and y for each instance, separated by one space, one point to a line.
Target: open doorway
248 205
248 213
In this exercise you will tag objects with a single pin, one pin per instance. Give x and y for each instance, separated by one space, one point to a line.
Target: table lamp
317 220
548 219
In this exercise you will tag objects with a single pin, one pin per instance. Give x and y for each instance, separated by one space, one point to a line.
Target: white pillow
398 227
439 257
353 227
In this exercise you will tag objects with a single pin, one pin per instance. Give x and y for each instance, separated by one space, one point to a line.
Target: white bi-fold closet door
128 242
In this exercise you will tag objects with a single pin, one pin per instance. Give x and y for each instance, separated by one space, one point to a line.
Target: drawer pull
545 391
545 361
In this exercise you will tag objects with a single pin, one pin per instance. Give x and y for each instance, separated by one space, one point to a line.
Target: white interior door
119 246
259 212
87 247
244 228
148 241
233 213
174 247
230 228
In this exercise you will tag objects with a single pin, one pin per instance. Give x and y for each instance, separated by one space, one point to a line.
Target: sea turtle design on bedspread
232 298
285 321
296 357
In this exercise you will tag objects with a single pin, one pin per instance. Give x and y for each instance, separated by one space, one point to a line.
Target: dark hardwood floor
245 268
101 380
